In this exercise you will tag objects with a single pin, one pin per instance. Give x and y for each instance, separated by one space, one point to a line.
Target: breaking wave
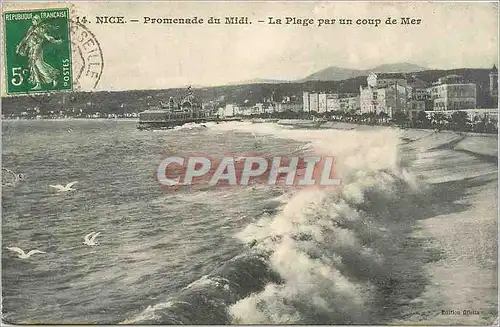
327 256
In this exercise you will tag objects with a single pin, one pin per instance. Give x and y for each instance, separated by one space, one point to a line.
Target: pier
171 123
177 113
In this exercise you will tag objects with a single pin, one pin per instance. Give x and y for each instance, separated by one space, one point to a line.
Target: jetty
162 122
177 113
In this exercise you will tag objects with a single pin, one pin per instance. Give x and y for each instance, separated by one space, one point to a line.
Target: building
325 102
289 106
313 102
305 101
332 102
494 83
258 109
349 103
230 110
322 102
171 105
244 110
189 107
419 97
367 98
387 93
381 80
451 93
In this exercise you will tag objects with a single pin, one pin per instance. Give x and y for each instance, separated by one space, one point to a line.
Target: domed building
174 113
191 105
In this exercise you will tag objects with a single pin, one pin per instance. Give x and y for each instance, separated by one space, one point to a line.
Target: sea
228 255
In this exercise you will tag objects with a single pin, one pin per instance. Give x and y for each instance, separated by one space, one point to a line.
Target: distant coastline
70 118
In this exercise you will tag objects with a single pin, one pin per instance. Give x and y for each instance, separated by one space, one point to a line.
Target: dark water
151 243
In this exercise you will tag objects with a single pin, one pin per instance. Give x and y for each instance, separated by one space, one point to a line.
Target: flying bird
90 238
22 254
66 188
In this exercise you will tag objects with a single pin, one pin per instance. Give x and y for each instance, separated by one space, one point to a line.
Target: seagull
22 254
66 188
90 239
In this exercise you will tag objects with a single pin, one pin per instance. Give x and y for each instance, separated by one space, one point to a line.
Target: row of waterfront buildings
385 92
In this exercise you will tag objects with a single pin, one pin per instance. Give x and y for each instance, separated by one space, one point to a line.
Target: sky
151 56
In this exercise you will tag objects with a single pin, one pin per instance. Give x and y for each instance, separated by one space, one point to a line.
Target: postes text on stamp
37 51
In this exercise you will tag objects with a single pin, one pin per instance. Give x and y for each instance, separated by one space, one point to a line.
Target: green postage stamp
37 51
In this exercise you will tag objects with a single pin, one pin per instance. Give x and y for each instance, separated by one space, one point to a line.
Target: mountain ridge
334 73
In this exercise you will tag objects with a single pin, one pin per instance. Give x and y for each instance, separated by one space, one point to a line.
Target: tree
421 120
315 114
491 126
438 120
383 117
355 117
401 119
479 123
460 121
372 117
364 117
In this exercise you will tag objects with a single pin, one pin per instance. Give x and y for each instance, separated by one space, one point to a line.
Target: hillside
259 81
338 74
333 74
397 68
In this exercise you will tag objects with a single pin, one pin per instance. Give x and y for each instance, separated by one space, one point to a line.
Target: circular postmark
88 62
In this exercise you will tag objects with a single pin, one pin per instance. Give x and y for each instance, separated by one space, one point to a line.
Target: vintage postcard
249 162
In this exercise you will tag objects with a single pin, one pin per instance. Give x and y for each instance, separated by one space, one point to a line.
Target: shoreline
69 119
301 123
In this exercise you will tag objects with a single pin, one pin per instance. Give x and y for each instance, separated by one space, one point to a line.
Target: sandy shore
462 231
